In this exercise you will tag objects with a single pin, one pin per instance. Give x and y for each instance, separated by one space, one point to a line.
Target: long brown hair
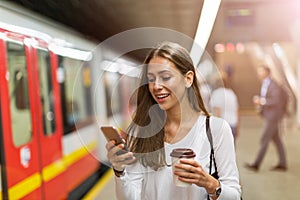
146 132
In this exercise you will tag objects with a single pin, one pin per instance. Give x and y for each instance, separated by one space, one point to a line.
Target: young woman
170 114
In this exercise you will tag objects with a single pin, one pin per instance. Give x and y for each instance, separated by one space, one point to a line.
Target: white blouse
140 183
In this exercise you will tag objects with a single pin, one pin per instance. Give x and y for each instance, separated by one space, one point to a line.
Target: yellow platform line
91 195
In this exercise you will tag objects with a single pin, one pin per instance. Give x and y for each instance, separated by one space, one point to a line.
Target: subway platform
261 185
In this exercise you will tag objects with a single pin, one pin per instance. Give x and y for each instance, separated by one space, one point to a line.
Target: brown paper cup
176 155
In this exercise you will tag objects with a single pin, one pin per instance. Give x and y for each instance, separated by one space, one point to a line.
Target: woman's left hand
191 171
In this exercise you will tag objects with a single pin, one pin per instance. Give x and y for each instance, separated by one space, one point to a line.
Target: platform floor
261 185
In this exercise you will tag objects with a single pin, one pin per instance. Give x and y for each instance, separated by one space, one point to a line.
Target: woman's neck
179 123
180 113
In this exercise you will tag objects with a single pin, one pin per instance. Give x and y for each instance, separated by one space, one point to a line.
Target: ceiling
237 20
103 18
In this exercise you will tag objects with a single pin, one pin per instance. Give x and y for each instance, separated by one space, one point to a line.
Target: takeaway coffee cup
176 154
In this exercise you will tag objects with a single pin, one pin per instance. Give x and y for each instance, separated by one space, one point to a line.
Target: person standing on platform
170 114
271 107
224 103
205 91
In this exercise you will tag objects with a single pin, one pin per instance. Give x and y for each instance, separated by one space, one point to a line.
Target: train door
50 129
29 120
19 120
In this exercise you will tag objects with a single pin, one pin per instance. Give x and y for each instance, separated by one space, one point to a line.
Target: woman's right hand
118 161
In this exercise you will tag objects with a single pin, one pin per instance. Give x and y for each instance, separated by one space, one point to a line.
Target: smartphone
111 133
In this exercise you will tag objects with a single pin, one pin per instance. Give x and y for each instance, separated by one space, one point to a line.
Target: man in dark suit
272 110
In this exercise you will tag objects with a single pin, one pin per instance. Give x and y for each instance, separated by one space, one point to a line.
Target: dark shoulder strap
208 133
212 152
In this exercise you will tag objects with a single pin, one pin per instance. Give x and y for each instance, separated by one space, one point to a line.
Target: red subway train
50 141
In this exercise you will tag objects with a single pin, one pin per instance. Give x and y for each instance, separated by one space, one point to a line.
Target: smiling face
166 84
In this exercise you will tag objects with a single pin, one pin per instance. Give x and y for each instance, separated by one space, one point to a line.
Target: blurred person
205 91
271 107
224 103
228 69
170 114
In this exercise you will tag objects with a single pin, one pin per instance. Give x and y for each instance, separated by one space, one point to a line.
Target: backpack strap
212 152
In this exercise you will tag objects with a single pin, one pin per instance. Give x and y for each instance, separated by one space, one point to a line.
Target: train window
75 90
46 91
19 96
112 94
